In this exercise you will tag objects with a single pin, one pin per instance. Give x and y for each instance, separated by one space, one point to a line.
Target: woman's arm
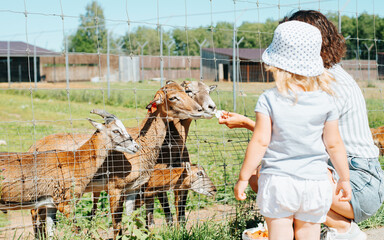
336 150
255 151
235 120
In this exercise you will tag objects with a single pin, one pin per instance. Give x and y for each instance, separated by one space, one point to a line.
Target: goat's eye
172 98
200 174
116 131
189 92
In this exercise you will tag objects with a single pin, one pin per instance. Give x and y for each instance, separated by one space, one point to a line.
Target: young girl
296 128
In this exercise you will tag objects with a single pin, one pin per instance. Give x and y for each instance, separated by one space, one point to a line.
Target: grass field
28 114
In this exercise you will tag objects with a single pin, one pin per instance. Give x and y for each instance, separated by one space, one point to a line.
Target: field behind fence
124 60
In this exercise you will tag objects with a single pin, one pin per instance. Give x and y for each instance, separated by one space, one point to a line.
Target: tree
91 35
223 35
256 35
142 34
185 43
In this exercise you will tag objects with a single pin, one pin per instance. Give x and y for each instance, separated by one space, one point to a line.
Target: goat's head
378 138
172 102
199 92
199 180
113 129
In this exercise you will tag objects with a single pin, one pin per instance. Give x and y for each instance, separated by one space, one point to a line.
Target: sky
40 22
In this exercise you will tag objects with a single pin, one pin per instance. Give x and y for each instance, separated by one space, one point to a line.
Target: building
380 65
217 65
17 61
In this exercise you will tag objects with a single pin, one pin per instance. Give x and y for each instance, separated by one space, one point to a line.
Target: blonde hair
285 81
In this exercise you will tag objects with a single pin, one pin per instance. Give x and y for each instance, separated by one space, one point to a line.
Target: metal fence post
238 61
369 58
9 63
34 65
66 62
169 45
108 70
161 58
201 59
234 68
141 58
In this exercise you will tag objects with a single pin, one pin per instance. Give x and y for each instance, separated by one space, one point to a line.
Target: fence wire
47 95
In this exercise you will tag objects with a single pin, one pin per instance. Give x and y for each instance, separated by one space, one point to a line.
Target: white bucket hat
296 48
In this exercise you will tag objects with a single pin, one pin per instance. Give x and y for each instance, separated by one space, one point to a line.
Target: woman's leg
306 230
280 228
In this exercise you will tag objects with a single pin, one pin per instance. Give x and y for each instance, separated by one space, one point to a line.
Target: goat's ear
169 82
108 120
188 167
98 126
212 87
185 84
158 99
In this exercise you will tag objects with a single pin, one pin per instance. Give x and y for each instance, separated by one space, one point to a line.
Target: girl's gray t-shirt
296 147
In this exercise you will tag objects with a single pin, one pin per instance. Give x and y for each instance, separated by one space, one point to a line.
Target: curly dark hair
333 47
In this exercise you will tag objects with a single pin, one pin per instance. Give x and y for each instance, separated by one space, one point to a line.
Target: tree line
92 33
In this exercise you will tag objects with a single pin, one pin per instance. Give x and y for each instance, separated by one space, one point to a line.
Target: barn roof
244 53
20 49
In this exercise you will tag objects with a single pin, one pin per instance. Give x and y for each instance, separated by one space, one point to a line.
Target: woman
366 175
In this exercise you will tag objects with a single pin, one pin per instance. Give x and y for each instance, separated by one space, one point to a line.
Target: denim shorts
367 182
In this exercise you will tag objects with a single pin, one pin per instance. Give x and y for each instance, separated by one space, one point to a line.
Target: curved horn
103 113
169 82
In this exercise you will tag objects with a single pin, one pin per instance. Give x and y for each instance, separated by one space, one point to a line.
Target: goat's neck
182 127
91 155
152 130
169 176
175 175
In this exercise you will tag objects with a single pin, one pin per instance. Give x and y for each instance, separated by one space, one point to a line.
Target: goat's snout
212 107
136 147
200 109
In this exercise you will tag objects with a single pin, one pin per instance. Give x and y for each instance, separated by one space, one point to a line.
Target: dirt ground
20 222
375 233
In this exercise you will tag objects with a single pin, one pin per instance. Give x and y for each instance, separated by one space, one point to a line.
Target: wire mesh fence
52 157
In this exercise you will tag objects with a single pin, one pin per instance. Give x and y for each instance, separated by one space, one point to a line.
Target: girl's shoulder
270 92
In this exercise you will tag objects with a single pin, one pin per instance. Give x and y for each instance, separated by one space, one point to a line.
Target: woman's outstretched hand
233 120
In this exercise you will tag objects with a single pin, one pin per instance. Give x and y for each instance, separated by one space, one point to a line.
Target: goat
122 175
191 177
378 138
51 179
174 151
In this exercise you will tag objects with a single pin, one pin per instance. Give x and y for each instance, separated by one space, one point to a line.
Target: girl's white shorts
283 196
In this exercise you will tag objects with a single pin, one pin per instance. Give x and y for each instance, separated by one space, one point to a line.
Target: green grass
3 220
375 109
375 221
229 228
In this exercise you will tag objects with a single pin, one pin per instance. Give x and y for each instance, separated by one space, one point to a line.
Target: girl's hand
232 120
344 185
240 190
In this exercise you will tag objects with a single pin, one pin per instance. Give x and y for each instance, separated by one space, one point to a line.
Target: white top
353 119
296 147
